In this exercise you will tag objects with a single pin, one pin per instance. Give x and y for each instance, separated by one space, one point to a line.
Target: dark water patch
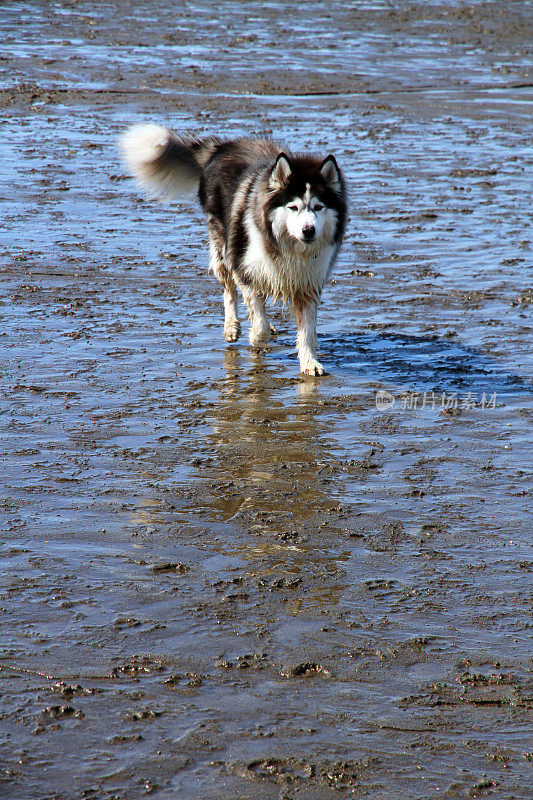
420 363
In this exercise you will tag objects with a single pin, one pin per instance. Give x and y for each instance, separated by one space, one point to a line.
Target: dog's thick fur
275 220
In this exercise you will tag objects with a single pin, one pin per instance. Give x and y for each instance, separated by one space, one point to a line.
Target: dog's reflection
268 442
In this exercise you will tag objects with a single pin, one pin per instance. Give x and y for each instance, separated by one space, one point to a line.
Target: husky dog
275 220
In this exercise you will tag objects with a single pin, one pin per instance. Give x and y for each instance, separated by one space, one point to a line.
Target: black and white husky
275 220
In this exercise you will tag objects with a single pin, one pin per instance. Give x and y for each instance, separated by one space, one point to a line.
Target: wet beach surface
220 579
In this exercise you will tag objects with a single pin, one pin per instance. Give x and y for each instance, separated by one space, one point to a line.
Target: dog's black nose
308 232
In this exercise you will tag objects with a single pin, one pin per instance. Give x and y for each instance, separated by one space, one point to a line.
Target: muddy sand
220 580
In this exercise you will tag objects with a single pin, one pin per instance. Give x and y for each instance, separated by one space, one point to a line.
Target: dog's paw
232 330
312 367
259 336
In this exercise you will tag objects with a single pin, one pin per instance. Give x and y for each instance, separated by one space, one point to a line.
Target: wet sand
221 580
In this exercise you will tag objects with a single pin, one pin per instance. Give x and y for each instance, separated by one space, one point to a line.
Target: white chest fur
301 269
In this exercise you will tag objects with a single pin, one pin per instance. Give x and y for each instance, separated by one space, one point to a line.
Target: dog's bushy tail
166 165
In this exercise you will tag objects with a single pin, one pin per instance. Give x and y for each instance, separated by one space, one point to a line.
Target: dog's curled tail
166 165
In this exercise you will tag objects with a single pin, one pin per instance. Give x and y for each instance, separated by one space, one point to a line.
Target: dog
275 220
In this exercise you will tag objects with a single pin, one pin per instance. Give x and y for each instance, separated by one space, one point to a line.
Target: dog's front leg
261 330
305 316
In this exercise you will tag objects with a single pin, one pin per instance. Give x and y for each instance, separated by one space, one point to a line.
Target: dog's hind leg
232 326
305 316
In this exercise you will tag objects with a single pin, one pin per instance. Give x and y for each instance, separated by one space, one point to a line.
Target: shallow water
222 580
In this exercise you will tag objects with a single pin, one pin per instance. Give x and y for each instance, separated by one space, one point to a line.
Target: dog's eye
318 207
293 207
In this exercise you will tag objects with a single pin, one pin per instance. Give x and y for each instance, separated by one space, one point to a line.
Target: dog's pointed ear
331 173
281 172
